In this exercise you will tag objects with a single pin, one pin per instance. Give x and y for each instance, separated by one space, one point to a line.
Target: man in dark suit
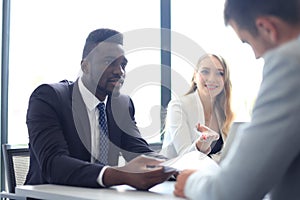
66 146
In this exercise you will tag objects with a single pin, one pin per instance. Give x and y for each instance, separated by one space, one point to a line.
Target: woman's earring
194 85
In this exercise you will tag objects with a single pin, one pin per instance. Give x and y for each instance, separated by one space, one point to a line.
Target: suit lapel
80 116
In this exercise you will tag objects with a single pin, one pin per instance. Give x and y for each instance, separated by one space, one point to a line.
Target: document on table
191 160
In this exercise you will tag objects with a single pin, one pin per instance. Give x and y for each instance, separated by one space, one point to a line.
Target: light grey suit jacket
265 155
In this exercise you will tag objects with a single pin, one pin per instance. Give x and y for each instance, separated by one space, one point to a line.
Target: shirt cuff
100 177
194 146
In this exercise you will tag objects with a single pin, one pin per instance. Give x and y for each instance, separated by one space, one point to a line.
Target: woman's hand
207 136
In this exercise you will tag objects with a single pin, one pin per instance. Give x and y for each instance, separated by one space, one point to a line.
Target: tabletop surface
192 160
59 192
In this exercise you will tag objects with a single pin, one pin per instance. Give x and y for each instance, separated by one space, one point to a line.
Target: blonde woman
206 103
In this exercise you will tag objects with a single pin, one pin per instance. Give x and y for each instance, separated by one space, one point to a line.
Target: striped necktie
104 141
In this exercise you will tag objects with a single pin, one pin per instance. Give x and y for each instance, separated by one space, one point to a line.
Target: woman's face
209 77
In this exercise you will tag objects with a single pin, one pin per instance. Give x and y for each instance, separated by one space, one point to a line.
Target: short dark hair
101 35
244 12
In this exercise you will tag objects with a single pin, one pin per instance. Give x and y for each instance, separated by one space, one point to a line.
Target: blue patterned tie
104 142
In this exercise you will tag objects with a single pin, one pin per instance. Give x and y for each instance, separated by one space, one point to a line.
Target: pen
153 166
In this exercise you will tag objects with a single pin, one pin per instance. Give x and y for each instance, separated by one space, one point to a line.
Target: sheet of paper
191 160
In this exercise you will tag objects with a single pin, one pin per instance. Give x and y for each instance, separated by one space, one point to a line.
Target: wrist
113 176
206 151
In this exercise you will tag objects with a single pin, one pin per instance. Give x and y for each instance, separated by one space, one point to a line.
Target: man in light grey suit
265 156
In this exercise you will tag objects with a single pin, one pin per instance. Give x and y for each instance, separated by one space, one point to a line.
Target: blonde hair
223 100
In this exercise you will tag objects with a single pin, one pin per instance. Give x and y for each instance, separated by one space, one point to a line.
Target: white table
124 192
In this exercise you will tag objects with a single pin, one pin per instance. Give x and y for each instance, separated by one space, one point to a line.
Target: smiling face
209 77
104 69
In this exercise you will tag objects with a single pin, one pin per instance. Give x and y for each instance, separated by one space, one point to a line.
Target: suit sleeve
51 161
132 143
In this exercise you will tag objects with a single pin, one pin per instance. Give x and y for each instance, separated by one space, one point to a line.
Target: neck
206 100
208 104
287 32
99 93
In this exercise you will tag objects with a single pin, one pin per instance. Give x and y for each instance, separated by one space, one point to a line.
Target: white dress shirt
91 103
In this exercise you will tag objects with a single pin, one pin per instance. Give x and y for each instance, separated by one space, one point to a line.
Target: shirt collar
89 99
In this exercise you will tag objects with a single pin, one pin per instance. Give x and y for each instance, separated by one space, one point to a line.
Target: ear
267 28
84 66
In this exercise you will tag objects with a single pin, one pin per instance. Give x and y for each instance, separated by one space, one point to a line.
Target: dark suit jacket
60 138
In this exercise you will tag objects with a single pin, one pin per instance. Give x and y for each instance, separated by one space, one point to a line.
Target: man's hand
181 181
141 173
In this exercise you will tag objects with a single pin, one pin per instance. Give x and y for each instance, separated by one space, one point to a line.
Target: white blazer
180 129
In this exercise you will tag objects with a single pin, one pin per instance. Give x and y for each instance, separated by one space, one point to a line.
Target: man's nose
119 70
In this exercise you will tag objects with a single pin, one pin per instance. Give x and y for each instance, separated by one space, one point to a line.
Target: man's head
103 62
264 24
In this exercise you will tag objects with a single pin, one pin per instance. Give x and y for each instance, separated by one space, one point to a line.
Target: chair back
16 165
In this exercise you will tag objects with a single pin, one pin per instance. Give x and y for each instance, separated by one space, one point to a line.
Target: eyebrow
115 58
110 57
208 68
204 68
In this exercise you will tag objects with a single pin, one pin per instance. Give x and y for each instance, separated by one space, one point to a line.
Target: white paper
192 160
